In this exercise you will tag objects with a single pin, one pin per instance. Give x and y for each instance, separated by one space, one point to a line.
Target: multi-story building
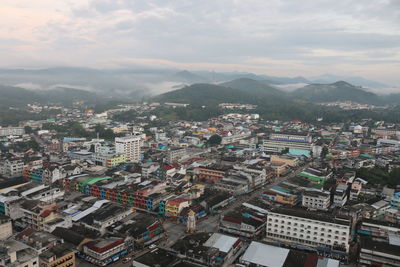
283 194
12 167
104 251
58 256
15 253
174 206
211 173
291 137
291 161
321 232
109 160
5 227
340 195
129 146
379 253
316 200
395 201
175 154
11 131
36 215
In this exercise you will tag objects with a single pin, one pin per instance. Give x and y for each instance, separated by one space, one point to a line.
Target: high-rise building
129 146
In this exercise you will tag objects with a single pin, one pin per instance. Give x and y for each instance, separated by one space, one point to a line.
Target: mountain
11 96
360 81
254 87
187 77
205 94
338 91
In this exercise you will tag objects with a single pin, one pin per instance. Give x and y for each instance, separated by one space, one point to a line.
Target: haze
283 38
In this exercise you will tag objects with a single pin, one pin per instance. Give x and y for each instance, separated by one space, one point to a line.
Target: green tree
324 152
214 140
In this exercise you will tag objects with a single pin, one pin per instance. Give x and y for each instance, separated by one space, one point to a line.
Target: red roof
109 246
176 201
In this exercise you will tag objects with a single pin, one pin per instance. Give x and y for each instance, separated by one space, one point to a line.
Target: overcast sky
275 37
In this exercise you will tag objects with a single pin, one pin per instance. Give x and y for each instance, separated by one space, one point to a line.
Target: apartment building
129 146
340 195
175 154
11 131
5 227
316 200
299 228
12 167
291 137
58 256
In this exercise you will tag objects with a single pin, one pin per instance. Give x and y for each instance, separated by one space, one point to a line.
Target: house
174 206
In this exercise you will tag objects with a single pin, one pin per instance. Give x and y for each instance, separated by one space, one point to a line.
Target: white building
12 167
340 195
316 200
12 131
130 146
300 228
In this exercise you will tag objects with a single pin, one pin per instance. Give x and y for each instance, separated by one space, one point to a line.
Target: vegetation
204 100
75 129
379 176
214 140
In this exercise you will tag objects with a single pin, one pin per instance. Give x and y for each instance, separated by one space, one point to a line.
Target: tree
214 140
28 129
285 151
324 152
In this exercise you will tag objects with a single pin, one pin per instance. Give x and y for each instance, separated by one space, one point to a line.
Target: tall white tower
191 222
129 146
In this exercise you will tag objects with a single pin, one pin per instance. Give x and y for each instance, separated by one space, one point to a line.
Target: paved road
210 223
175 231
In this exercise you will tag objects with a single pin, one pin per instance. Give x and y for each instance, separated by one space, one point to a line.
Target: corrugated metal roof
265 255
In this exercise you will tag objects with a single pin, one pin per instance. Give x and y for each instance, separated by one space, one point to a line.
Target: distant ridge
338 91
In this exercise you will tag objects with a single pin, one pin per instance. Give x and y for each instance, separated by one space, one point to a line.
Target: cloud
280 37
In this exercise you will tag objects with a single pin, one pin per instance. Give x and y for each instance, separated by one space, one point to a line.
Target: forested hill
338 91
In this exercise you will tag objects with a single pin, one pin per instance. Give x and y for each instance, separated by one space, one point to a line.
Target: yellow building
115 160
174 206
59 256
291 161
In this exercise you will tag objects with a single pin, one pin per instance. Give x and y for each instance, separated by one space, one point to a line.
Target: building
316 200
58 256
288 160
16 254
175 154
242 223
207 249
5 227
104 251
174 206
211 173
340 195
291 137
37 215
12 167
129 146
155 257
264 255
320 232
379 253
109 160
395 201
5 131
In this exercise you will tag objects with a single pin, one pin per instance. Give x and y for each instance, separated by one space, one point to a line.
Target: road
175 231
211 222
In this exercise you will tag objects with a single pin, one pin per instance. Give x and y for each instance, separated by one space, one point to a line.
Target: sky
273 37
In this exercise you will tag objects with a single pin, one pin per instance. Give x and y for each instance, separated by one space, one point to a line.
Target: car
126 260
152 246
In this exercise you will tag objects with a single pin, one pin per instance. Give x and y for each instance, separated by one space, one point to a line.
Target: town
91 189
